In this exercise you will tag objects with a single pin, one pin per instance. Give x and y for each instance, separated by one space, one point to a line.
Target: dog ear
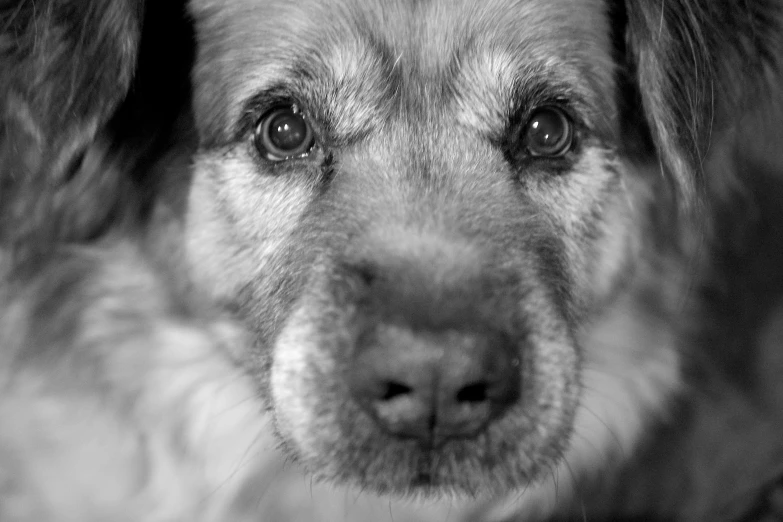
64 68
698 64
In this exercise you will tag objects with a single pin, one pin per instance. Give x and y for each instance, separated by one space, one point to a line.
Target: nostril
394 390
366 273
362 272
475 392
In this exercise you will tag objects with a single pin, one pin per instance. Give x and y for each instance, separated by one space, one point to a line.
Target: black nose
432 386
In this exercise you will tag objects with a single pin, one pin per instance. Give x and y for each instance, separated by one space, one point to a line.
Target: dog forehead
246 46
400 17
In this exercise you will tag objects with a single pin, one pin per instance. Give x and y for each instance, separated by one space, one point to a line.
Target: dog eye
283 133
548 133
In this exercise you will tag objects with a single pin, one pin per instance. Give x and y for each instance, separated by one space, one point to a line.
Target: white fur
631 370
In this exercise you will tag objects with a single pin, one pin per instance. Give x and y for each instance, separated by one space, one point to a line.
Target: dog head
418 206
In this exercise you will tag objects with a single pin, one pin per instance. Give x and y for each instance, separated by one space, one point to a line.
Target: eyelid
254 107
529 94
564 105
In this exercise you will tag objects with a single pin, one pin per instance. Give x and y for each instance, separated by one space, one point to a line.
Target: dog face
415 205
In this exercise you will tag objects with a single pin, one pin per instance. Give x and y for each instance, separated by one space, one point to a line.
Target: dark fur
79 170
64 69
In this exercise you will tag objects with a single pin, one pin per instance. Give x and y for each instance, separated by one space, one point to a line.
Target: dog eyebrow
347 96
491 90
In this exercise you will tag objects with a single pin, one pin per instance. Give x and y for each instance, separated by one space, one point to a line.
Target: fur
183 318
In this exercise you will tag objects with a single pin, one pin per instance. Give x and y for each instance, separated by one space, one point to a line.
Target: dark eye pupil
287 131
548 133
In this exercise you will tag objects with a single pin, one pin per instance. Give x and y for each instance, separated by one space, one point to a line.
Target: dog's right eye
283 133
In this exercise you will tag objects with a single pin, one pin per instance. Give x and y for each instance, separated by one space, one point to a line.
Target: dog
407 260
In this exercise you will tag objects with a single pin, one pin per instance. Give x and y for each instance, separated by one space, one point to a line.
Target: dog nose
433 386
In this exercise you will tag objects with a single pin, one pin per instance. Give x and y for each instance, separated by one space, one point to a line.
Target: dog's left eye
547 133
283 133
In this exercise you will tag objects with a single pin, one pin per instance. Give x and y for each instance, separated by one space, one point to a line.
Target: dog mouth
498 457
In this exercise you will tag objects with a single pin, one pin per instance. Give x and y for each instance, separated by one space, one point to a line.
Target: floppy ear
698 65
64 67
